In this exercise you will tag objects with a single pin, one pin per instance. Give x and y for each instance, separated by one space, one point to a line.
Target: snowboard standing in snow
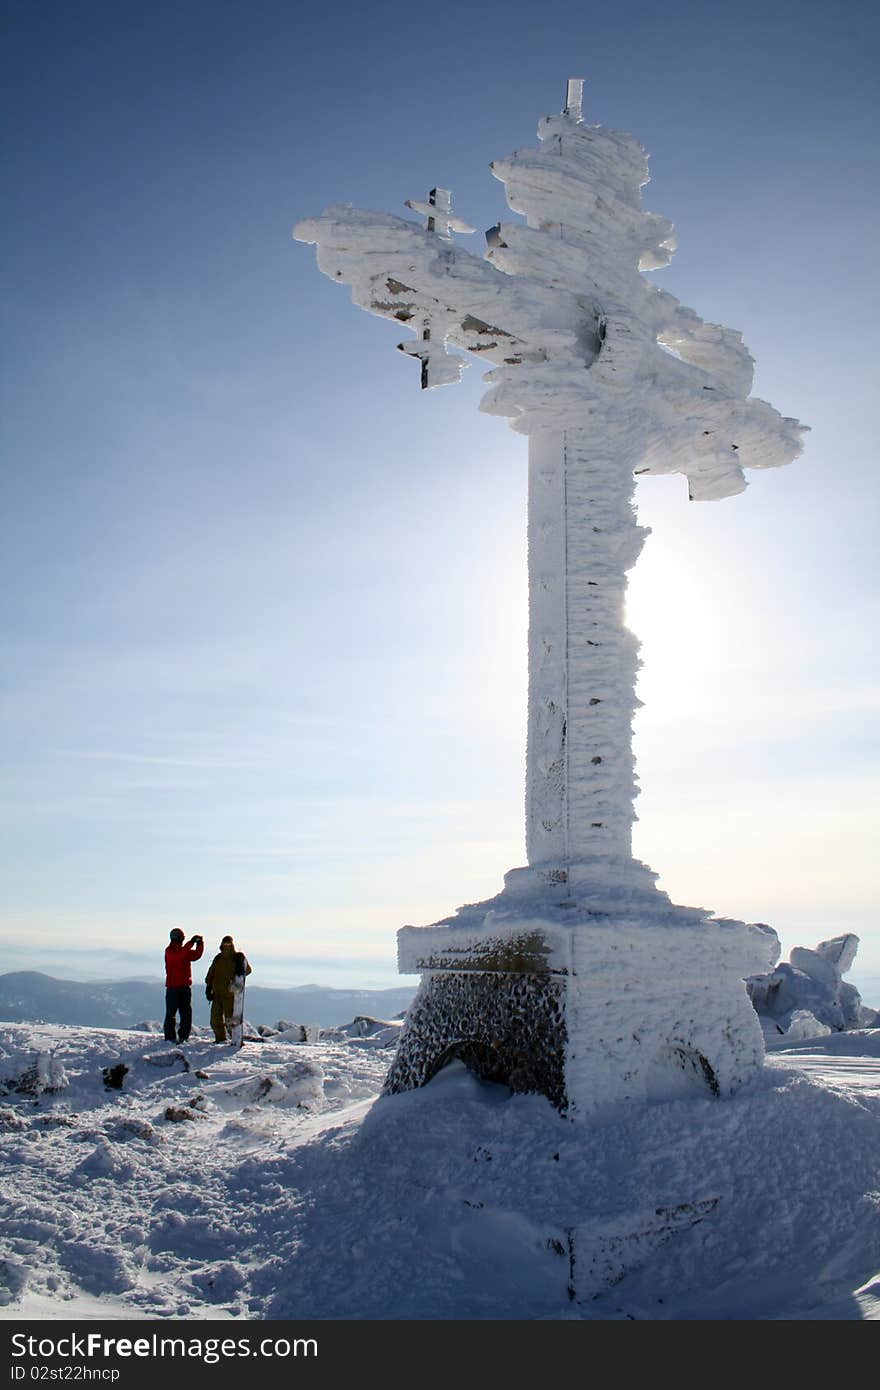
236 1023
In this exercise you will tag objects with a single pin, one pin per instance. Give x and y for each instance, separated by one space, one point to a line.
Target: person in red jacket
179 956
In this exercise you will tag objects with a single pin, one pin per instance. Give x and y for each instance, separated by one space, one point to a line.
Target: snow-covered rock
803 1024
809 986
375 1031
13 1280
299 1083
840 951
43 1073
104 1161
298 1032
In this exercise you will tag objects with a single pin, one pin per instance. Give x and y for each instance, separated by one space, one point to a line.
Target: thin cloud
106 756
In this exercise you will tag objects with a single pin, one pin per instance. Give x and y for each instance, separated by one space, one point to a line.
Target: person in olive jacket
218 986
179 957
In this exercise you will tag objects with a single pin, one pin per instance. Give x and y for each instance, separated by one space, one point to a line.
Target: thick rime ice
582 340
610 377
808 997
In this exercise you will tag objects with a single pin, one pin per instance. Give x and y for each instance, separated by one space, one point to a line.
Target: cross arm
405 273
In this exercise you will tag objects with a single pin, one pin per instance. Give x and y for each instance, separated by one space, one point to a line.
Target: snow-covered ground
271 1183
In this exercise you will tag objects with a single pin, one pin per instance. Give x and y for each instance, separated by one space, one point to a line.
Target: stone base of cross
590 1008
580 980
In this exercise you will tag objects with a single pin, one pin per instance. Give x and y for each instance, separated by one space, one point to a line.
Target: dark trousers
178 999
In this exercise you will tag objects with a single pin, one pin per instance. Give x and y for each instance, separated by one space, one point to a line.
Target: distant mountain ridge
27 996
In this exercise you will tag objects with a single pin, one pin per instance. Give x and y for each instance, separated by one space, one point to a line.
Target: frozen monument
580 980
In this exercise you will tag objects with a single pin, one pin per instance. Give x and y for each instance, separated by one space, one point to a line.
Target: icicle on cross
438 367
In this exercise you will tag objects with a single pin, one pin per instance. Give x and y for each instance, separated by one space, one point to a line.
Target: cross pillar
582 540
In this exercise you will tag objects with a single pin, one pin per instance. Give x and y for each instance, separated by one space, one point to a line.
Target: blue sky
264 602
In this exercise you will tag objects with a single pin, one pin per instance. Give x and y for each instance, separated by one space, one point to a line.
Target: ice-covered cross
610 377
437 368
438 214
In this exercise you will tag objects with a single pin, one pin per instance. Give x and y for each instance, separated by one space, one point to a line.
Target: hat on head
176 934
225 939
